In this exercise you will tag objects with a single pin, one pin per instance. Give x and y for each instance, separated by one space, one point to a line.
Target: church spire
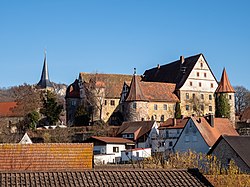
44 81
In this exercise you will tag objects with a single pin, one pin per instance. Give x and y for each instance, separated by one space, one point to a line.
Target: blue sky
114 36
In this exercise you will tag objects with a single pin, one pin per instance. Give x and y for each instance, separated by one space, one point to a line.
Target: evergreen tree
51 109
81 116
177 114
222 106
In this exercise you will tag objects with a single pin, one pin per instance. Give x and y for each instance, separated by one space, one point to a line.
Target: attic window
201 65
212 85
199 84
198 74
112 102
155 107
205 74
191 83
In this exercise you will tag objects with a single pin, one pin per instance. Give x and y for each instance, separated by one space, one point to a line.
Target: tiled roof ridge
87 73
224 85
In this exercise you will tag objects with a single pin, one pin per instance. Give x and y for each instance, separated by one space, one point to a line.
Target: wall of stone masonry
224 153
138 113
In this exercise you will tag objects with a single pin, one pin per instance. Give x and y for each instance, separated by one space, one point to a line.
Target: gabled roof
104 177
6 109
135 92
116 140
224 85
44 81
222 126
240 144
45 157
112 83
176 72
138 128
170 124
73 90
151 91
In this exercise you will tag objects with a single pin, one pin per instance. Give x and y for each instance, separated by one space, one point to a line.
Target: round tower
136 105
225 88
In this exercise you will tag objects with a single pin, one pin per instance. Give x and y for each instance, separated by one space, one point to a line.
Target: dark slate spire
44 81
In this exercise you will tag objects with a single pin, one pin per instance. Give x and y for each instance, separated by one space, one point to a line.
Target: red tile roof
110 139
222 126
224 85
104 177
151 91
169 124
73 90
138 128
45 157
135 92
6 109
113 82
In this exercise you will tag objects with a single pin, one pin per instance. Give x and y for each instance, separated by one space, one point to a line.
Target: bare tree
242 98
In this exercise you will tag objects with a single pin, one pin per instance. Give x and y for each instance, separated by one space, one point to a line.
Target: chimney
174 122
182 59
158 66
210 119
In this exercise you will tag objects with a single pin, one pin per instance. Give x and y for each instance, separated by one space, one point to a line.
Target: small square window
210 97
202 96
112 102
210 108
230 97
115 149
134 105
155 107
165 107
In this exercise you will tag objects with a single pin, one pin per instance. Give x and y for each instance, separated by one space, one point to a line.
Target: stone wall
225 153
138 113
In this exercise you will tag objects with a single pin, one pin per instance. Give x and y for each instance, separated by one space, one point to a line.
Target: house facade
235 148
136 154
200 133
195 83
108 149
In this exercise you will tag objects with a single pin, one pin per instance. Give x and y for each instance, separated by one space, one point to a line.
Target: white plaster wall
144 153
205 81
197 146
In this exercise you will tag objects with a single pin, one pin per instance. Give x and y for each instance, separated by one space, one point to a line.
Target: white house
200 133
108 149
142 133
169 132
136 154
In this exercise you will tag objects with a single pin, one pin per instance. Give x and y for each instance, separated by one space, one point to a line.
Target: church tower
44 82
136 105
225 87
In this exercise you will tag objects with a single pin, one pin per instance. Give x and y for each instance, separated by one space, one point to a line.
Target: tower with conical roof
44 82
136 108
225 87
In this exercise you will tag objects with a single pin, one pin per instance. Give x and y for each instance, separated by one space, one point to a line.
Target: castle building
194 80
152 96
44 82
147 100
226 88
